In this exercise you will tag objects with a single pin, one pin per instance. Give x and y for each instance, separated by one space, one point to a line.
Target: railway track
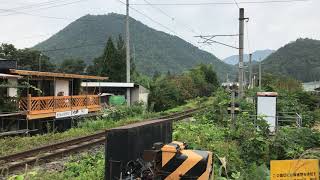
19 160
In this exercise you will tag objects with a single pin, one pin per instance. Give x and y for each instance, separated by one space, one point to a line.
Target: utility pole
260 78
128 53
39 61
232 111
241 45
250 70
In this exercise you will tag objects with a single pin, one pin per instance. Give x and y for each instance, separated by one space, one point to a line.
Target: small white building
139 94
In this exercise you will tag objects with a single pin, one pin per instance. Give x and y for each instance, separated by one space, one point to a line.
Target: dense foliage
153 50
112 62
243 150
292 99
299 59
27 59
168 91
73 66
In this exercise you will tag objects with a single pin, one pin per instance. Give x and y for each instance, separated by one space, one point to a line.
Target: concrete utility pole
40 55
250 70
260 74
241 45
233 117
128 54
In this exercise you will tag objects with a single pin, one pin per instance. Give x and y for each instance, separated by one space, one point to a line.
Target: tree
118 66
8 51
112 63
73 66
27 59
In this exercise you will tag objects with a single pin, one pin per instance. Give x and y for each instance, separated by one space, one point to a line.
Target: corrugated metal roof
107 84
9 76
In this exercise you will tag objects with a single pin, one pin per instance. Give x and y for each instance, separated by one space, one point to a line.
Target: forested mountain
299 59
258 56
153 50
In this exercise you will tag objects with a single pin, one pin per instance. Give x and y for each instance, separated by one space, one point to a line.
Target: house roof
8 76
107 84
267 94
57 75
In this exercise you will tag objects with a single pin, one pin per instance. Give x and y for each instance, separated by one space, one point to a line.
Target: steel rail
20 160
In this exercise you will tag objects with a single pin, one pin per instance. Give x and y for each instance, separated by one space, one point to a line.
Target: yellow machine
172 161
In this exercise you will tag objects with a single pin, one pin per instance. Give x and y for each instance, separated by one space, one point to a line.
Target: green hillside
154 50
299 59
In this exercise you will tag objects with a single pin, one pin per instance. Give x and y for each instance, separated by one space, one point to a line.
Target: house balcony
59 106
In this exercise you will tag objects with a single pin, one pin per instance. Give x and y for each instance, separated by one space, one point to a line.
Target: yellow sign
302 169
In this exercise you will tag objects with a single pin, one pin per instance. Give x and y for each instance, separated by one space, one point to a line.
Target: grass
10 145
81 167
87 166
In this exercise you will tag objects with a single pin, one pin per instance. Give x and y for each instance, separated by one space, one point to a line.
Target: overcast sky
270 27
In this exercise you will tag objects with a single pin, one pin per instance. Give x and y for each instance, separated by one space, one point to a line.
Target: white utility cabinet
267 107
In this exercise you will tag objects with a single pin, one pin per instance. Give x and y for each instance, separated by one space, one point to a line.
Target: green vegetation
72 66
292 98
112 117
299 59
82 167
27 59
169 91
112 62
154 50
241 151
244 151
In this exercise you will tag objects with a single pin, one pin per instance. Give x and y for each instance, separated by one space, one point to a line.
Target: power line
151 19
219 3
30 6
160 10
235 2
172 18
20 12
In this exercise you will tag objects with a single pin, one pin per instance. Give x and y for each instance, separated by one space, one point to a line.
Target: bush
290 143
89 167
121 112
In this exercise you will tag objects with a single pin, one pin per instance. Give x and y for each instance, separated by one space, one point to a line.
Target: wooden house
47 95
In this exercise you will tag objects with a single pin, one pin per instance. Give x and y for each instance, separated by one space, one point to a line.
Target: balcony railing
52 104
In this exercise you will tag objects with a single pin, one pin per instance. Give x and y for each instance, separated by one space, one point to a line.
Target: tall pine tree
112 63
102 65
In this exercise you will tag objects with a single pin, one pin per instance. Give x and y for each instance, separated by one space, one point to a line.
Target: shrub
290 143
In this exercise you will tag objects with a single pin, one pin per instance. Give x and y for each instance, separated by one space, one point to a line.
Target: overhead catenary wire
220 3
14 12
30 6
236 3
172 18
